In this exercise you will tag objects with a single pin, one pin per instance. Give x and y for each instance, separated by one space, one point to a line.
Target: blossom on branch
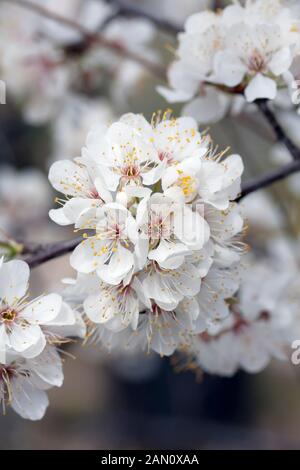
158 259
241 50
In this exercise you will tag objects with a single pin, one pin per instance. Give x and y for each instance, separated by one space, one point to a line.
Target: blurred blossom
261 212
25 196
36 75
42 73
78 116
261 324
122 74
89 13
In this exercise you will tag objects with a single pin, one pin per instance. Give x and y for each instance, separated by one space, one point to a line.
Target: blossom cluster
160 250
245 50
30 333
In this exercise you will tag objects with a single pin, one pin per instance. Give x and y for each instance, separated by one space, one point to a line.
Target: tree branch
277 129
45 252
89 38
272 177
123 9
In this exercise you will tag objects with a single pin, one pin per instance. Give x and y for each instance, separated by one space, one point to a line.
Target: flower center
94 194
157 229
8 315
257 62
187 184
130 171
166 156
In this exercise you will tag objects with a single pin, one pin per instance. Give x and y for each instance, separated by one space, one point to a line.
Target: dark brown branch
89 38
272 177
42 253
123 9
277 129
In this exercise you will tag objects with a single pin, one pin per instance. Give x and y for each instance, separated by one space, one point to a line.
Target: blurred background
110 402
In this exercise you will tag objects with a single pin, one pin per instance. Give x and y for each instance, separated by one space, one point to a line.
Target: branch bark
270 178
277 129
89 38
45 252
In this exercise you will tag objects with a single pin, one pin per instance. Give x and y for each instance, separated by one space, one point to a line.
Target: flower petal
14 277
260 87
43 310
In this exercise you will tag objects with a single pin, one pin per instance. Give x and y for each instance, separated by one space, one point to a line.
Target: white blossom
24 323
24 382
245 49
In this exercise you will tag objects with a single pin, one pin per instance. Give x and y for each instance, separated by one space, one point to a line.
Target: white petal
75 206
14 277
23 337
281 61
48 367
3 343
36 349
174 96
191 228
89 255
59 217
120 264
208 108
150 177
65 316
260 87
100 308
43 310
69 178
229 69
166 250
27 401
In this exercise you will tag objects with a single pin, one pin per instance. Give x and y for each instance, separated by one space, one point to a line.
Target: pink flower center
257 62
130 171
94 194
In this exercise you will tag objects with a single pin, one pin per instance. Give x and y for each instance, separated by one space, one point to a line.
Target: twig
89 38
278 130
132 11
272 177
48 251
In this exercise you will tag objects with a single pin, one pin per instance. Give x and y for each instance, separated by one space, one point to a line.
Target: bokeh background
110 402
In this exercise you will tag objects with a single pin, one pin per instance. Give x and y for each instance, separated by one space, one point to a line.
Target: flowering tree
161 260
